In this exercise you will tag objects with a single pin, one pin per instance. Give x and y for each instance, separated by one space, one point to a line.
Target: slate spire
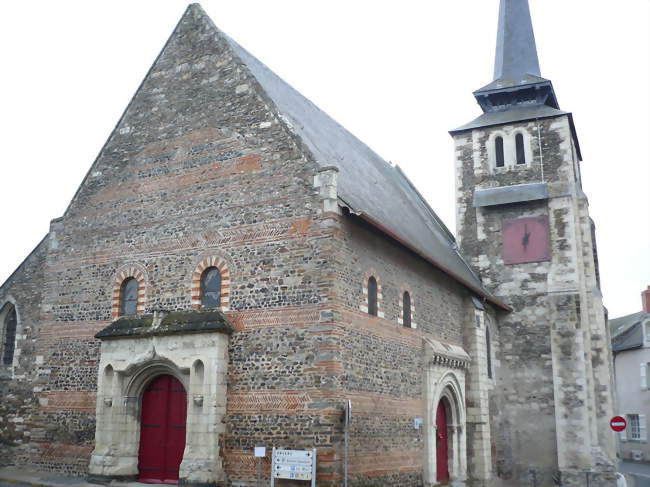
517 77
516 50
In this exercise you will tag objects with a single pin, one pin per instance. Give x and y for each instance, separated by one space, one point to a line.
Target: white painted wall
633 396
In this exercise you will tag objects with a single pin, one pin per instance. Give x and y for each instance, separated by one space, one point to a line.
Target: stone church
236 268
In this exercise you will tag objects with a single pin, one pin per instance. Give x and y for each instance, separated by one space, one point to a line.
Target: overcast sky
398 74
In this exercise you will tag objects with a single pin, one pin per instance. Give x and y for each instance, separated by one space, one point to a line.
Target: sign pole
346 439
272 467
313 469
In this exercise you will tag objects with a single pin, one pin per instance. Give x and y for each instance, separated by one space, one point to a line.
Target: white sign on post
260 451
293 464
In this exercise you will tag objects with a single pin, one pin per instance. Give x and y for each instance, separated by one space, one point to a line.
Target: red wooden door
442 457
162 431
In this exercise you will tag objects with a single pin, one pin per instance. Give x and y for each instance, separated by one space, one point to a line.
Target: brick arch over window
206 263
400 320
136 272
364 288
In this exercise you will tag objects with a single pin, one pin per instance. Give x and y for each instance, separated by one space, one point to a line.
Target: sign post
293 464
618 423
348 418
260 452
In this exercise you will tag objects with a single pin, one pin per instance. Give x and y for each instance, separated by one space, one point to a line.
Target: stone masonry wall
199 165
542 347
524 378
17 407
382 362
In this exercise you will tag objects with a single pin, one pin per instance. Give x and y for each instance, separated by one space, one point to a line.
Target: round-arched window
211 288
9 342
372 296
521 153
406 307
129 297
498 152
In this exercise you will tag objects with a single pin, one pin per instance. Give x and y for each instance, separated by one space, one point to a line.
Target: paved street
641 472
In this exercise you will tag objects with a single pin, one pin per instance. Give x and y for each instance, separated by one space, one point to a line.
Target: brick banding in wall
138 273
364 305
206 263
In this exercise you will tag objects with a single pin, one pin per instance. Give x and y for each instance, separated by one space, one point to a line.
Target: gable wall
198 166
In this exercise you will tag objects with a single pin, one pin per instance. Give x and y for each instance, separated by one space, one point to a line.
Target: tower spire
517 77
516 54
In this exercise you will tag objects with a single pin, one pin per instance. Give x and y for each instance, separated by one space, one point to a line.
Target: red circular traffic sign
618 423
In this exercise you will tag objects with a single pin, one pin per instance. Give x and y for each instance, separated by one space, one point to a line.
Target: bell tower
523 225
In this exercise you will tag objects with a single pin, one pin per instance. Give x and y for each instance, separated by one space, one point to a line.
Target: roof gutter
444 269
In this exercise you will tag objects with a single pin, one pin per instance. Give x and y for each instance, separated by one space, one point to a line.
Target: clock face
526 240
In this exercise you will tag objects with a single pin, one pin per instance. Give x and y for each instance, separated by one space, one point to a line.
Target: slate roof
371 187
627 331
518 114
516 61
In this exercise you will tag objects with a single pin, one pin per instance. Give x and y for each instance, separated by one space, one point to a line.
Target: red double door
162 430
442 453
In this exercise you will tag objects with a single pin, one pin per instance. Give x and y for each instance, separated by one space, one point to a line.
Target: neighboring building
236 267
631 347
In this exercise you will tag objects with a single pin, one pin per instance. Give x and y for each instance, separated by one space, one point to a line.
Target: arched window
129 297
372 296
211 288
406 308
488 352
9 342
521 153
498 151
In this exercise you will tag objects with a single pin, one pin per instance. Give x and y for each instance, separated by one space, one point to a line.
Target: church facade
236 269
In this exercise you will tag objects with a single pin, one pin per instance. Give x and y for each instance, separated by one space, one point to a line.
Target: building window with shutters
636 427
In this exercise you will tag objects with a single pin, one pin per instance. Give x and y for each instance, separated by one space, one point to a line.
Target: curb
44 483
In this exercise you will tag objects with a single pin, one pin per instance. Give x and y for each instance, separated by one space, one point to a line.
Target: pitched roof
517 114
367 184
627 331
